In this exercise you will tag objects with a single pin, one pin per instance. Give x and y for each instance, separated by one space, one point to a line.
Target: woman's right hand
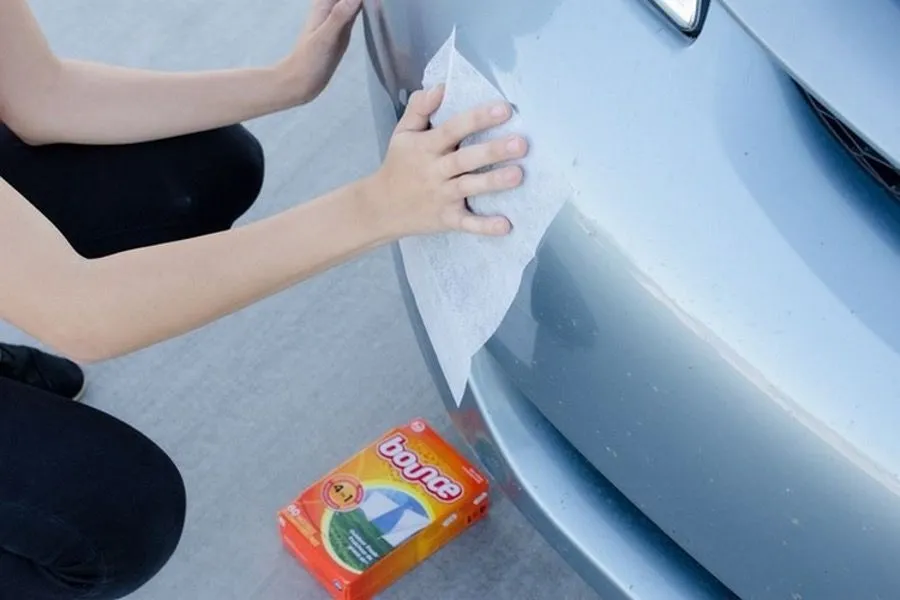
425 179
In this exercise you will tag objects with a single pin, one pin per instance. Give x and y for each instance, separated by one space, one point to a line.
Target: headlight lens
686 14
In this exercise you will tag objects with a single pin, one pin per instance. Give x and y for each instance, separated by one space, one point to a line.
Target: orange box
376 517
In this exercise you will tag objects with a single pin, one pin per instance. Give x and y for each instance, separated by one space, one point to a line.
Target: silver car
696 393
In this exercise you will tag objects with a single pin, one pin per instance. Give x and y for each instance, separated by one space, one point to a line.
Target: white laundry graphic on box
377 505
409 525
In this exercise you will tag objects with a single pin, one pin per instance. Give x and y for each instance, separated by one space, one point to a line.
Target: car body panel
710 322
840 50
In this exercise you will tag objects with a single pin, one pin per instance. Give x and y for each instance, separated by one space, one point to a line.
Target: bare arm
96 309
47 99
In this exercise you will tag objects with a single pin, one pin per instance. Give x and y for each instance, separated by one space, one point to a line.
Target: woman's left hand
320 48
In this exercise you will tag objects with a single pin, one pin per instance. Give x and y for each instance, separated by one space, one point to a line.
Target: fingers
421 106
343 12
472 158
437 170
461 126
468 186
490 226
498 180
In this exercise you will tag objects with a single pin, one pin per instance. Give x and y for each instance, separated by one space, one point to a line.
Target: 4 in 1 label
343 493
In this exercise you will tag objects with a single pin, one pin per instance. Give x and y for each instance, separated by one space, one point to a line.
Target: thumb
421 106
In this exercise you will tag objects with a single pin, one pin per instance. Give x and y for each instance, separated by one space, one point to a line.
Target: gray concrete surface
255 407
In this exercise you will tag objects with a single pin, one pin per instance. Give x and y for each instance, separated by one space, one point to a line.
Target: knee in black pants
116 564
108 199
149 512
228 175
246 164
162 507
89 506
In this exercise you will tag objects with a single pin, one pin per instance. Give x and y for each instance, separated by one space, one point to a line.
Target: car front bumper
701 365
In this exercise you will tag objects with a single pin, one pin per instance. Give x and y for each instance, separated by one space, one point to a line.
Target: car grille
870 159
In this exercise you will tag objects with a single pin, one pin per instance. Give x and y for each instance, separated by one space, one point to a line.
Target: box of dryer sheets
373 519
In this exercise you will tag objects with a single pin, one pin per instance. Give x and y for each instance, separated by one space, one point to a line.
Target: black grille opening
885 173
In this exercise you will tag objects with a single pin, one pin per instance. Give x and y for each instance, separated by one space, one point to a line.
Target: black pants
90 507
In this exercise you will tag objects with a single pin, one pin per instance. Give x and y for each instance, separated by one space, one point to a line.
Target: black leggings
90 507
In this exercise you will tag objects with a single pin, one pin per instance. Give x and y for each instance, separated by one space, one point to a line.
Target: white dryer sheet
464 284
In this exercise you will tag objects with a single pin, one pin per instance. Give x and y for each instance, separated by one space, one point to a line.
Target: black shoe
44 371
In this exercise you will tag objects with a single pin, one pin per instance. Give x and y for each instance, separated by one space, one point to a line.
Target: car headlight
687 15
